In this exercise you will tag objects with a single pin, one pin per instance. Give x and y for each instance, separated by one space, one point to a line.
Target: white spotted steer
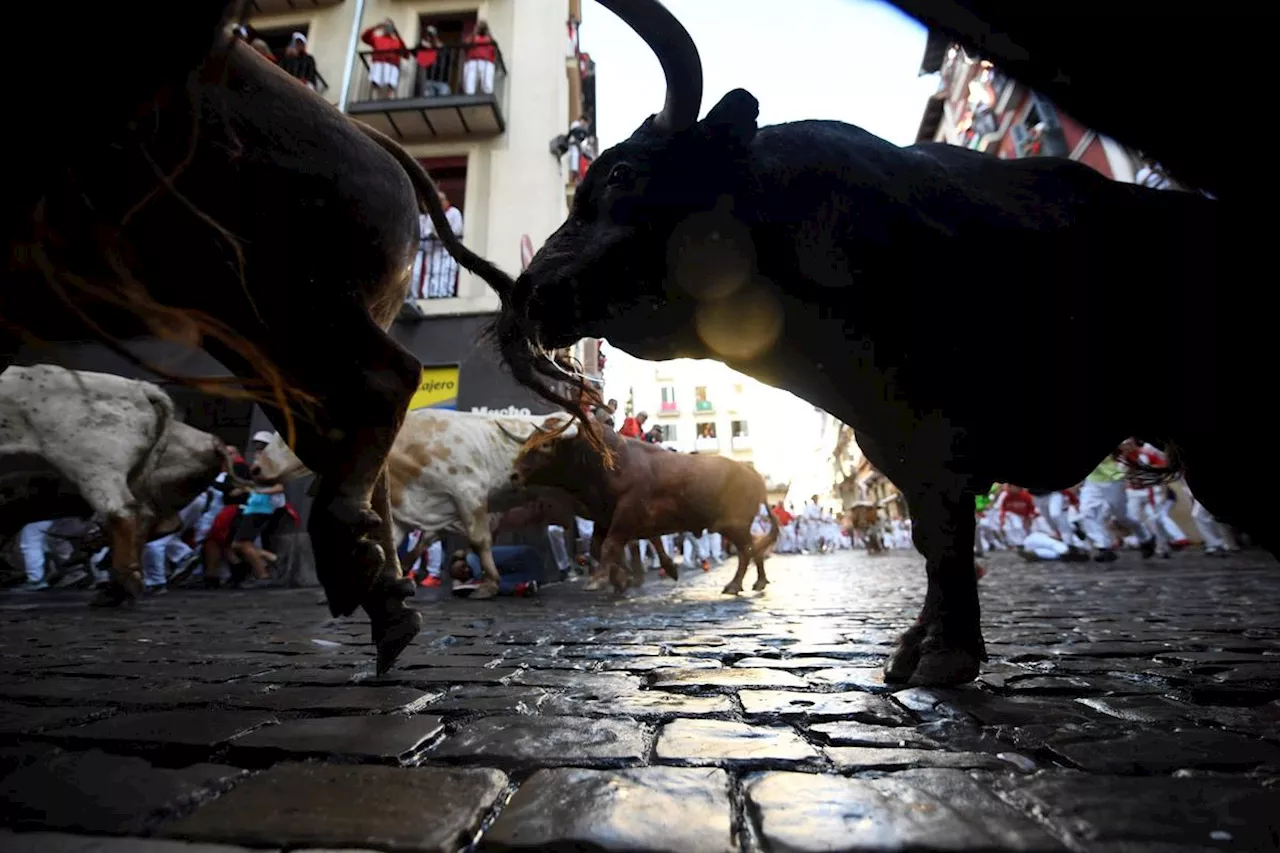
443 468
78 443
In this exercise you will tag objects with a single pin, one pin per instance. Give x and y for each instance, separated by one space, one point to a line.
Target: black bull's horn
677 54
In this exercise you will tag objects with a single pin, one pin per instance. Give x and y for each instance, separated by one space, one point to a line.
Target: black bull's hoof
393 635
393 623
929 660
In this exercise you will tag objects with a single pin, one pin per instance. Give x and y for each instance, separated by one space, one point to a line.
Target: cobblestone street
1127 707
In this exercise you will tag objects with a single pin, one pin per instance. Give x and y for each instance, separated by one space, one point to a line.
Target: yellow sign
438 389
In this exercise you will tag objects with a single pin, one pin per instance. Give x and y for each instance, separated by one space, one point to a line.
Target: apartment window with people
669 399
700 401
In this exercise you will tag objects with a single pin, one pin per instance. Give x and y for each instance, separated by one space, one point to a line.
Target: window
667 432
669 399
278 38
739 429
700 401
707 429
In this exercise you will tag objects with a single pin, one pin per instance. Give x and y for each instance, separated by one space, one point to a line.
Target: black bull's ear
733 120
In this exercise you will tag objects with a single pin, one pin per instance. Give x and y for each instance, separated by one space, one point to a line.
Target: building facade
979 107
705 407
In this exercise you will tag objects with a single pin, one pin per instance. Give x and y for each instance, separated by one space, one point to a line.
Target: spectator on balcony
633 427
432 73
482 58
578 133
435 272
384 64
654 436
300 64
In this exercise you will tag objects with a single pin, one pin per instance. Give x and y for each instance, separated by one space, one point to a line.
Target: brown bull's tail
764 544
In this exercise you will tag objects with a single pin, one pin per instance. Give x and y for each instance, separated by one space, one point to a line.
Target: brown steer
650 491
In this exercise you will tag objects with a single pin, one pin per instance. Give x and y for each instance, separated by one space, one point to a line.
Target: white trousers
31 541
156 555
1044 546
1097 501
477 71
1053 509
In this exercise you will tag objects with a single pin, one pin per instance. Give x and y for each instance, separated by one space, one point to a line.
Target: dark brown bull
650 491
864 519
205 196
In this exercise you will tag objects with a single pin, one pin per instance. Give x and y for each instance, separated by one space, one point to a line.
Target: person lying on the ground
1041 546
518 565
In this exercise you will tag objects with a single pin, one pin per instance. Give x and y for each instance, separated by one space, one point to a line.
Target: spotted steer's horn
676 52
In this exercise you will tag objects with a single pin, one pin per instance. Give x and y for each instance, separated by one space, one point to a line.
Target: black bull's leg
945 646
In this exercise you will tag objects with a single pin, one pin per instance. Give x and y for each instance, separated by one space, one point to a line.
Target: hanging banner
438 388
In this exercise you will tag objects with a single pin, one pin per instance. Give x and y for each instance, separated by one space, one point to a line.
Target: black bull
881 282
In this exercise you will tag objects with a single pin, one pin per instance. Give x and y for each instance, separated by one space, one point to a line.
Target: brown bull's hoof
731 588
484 591
760 584
942 667
393 635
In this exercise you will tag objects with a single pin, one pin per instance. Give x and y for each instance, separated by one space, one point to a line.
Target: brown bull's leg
945 645
668 565
742 544
612 561
762 580
394 624
599 573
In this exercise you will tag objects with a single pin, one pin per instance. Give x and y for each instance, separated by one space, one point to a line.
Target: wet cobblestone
1127 708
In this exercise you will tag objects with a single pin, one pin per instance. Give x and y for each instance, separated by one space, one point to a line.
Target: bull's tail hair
184 326
429 202
1144 476
762 545
527 363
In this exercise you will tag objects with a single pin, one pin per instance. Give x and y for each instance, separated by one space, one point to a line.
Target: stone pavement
1130 708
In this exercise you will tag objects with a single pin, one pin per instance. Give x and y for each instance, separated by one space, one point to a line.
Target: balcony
668 407
275 7
740 442
453 98
703 407
707 445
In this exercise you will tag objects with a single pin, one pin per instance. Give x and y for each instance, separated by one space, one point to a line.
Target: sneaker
1147 548
706 565
430 582
33 586
526 589
155 589
1105 555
